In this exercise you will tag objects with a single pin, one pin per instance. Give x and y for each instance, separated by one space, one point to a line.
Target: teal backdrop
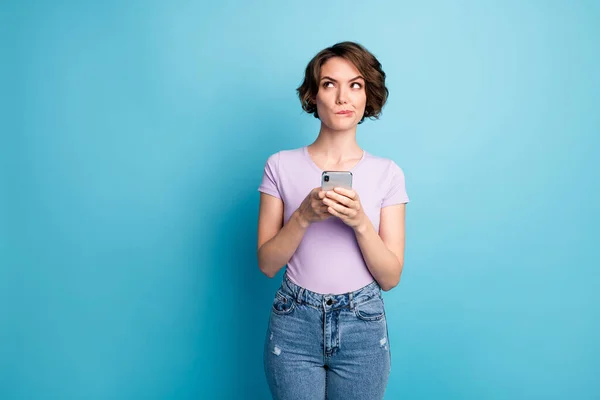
133 141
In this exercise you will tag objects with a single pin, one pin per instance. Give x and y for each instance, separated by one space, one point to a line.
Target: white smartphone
333 179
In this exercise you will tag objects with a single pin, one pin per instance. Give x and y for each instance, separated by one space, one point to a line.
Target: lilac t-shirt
328 259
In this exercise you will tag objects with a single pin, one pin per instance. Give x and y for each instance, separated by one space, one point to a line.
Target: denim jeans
327 346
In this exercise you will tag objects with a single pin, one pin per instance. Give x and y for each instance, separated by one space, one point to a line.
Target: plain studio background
133 140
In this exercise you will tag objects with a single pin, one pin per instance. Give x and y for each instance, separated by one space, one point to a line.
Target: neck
338 145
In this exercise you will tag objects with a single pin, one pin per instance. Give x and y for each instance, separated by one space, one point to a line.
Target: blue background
133 140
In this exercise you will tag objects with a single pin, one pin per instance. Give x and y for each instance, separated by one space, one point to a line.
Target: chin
344 126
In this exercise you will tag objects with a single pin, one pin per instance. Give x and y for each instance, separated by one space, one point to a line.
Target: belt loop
351 300
299 295
286 282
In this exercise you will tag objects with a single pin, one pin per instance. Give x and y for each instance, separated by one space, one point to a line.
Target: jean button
329 302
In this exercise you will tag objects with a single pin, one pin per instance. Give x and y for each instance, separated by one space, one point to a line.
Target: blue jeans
327 346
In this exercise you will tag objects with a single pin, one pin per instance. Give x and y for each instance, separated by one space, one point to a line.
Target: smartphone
332 179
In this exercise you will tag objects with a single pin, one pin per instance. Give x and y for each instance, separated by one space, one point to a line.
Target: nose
341 96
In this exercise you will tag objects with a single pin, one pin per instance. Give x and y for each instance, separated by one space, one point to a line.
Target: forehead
339 68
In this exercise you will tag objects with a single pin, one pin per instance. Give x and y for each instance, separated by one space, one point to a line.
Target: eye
327 83
356 85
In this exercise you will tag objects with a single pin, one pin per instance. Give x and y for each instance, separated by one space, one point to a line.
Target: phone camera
326 178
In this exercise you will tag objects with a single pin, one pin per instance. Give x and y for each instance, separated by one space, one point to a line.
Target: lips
344 112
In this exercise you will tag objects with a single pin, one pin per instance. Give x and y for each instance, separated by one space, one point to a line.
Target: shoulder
382 165
391 180
285 156
291 153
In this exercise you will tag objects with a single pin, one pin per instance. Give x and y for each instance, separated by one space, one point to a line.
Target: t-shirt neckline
315 166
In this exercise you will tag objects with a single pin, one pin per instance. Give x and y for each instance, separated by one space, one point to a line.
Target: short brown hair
363 60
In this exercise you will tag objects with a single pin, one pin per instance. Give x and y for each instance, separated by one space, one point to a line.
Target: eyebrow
351 80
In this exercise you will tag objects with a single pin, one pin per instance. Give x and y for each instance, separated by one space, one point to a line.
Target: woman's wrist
303 222
362 227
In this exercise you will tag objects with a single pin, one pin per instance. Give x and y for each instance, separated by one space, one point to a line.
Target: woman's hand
312 208
345 204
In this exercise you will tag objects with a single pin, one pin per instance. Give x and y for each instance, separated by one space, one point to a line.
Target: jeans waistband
332 301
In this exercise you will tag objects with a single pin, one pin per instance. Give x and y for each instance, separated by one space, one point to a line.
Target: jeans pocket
283 303
370 310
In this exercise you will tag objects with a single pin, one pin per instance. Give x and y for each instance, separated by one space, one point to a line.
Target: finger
332 203
318 193
336 206
340 199
333 212
351 194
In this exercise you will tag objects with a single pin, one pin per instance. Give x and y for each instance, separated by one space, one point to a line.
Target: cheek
320 107
322 104
323 98
361 100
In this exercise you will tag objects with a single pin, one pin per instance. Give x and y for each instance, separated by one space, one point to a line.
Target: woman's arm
384 252
277 243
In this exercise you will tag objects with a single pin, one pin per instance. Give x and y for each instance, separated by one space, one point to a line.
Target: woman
327 335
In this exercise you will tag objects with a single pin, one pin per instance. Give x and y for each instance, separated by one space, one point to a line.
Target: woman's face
341 98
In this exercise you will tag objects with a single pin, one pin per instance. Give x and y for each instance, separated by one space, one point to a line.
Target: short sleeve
270 179
396 192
